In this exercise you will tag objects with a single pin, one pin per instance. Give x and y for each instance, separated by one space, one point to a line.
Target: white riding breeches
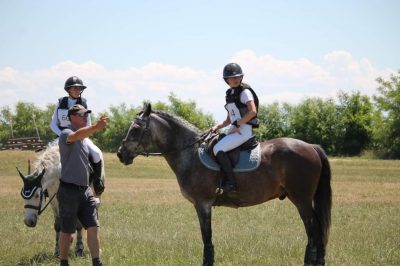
233 140
94 151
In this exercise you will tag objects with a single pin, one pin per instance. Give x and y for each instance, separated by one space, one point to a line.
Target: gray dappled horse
42 184
289 168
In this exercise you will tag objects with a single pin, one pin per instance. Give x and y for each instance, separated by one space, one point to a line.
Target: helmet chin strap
80 95
226 81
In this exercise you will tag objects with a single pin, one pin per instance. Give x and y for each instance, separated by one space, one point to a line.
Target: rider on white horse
74 87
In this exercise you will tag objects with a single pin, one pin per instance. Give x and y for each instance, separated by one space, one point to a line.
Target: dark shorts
76 202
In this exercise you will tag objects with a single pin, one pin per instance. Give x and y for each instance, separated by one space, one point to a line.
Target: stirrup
230 189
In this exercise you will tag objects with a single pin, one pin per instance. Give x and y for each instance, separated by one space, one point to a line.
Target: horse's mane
49 158
178 120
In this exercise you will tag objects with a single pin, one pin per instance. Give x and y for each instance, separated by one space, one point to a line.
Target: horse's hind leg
79 243
313 231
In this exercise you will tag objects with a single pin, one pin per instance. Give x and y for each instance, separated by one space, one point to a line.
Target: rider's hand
213 129
234 129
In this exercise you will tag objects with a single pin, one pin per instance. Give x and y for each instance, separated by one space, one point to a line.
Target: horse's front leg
79 243
204 214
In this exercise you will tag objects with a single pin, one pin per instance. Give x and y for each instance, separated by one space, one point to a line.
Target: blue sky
130 51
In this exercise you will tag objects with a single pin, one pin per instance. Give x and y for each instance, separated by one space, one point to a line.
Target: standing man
75 197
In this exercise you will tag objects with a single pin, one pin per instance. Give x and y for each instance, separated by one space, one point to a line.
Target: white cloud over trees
273 79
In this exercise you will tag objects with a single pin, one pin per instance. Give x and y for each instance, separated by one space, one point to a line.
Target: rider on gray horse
241 105
74 87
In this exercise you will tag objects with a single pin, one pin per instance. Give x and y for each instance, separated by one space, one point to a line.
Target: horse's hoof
79 250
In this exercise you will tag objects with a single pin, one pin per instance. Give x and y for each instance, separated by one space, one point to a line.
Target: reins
47 204
202 137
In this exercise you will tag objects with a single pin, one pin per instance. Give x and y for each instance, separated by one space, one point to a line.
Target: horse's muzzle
124 155
30 222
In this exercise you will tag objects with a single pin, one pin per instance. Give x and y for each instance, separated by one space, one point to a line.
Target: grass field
145 220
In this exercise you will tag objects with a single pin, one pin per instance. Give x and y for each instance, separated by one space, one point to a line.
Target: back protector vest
241 107
62 111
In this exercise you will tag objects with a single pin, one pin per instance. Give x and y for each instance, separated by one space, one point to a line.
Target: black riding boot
98 177
228 183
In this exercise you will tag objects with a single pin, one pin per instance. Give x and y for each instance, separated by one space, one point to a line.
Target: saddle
244 158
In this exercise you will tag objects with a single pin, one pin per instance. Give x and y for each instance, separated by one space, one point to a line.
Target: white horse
42 185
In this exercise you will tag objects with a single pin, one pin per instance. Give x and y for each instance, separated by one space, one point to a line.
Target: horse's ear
147 109
20 174
40 176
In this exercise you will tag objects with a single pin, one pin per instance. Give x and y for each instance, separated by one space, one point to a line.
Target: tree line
344 126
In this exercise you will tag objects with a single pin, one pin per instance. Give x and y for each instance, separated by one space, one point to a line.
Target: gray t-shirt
74 159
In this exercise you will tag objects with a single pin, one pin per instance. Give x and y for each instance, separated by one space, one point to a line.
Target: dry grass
146 221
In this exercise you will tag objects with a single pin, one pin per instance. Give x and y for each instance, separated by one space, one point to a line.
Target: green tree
190 112
273 121
121 118
354 125
6 118
31 121
387 118
314 121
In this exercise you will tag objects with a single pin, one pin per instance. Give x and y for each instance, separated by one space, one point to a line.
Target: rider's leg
97 164
226 166
226 144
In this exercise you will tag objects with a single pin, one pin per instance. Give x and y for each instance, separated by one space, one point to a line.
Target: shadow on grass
39 258
47 257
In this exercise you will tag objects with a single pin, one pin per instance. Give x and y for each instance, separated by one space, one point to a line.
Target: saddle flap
250 144
248 160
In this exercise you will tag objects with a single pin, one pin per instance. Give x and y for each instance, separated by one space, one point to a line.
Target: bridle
43 195
146 131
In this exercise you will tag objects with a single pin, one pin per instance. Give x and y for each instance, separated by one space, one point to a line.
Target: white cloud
293 80
272 78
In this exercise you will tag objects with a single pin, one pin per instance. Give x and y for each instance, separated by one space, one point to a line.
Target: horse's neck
176 145
50 160
171 133
51 181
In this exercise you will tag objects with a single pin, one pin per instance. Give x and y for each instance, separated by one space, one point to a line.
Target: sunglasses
81 115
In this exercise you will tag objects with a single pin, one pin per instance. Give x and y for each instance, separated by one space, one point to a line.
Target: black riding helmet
232 70
73 82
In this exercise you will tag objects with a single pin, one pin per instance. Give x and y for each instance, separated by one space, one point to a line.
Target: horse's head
33 195
138 137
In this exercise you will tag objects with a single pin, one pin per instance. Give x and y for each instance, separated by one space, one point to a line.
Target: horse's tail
323 196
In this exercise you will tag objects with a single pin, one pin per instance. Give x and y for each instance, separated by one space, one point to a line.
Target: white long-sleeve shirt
54 125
